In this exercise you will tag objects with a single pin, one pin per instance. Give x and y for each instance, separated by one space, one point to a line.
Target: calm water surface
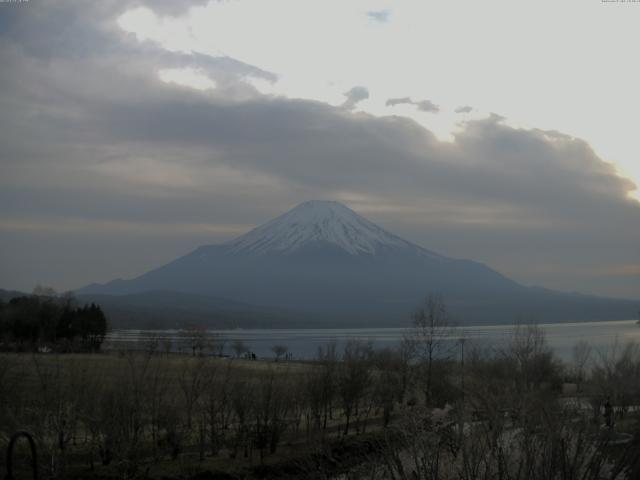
304 343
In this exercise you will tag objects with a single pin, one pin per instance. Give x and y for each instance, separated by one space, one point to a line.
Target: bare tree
529 353
217 406
272 404
151 344
215 344
156 401
193 380
389 367
354 378
322 385
429 339
57 407
194 338
239 347
580 355
279 351
616 376
243 403
167 345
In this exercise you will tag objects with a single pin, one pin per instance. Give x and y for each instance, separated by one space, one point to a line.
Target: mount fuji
323 261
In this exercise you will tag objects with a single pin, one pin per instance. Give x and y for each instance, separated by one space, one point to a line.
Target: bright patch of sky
567 66
187 77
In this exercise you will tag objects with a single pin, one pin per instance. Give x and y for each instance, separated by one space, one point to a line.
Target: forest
47 322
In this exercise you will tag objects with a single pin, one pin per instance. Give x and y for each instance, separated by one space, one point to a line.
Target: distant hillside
163 309
6 295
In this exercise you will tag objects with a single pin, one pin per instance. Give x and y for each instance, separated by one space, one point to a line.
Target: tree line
50 322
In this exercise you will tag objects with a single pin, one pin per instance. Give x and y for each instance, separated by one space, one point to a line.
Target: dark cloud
422 105
355 95
91 135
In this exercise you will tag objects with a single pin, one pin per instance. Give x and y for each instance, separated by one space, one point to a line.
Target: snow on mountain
317 222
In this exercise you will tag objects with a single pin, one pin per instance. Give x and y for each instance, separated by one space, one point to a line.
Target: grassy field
369 414
128 413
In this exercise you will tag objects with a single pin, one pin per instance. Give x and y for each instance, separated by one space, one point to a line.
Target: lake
304 343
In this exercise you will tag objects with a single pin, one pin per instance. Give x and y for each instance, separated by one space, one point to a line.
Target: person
608 414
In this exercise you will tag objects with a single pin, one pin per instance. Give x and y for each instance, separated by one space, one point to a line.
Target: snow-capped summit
317 222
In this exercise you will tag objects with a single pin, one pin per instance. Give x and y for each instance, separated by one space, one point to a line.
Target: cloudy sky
505 132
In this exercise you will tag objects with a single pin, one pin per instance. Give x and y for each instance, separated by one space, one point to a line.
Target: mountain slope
324 259
166 309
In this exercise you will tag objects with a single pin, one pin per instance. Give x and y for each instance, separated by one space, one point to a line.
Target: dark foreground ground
356 414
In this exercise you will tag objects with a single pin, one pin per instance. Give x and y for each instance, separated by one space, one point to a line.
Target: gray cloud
355 95
464 109
392 102
381 16
91 135
427 106
422 105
